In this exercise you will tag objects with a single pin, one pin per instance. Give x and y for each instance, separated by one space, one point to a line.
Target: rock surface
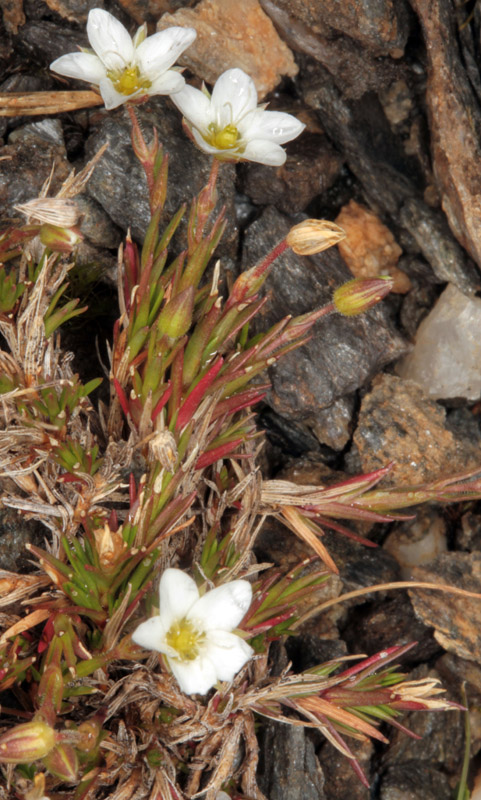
455 124
232 34
456 619
447 352
398 423
343 352
370 248
118 182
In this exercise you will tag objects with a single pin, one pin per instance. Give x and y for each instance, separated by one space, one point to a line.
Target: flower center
185 639
223 139
128 81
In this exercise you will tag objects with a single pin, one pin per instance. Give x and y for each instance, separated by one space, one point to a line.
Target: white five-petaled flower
231 126
123 68
194 633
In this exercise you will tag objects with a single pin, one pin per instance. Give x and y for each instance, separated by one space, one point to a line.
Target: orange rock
369 248
233 34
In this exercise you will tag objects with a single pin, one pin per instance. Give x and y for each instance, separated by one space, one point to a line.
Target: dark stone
342 354
95 223
379 25
387 621
15 532
307 651
456 619
27 164
416 305
288 767
440 735
353 69
118 182
454 121
41 42
342 782
293 439
468 535
311 168
454 672
391 180
398 423
414 781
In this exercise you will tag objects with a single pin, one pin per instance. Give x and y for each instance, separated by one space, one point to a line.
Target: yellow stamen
223 139
183 638
128 80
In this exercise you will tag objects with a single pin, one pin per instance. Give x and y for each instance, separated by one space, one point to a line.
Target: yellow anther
184 639
128 81
223 139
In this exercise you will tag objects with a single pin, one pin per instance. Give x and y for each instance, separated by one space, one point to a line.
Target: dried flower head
314 235
194 633
58 211
231 126
124 68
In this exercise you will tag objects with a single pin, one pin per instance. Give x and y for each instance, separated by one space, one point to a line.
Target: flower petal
228 653
264 152
170 82
233 96
110 96
194 105
158 52
110 40
151 635
222 608
177 593
84 66
277 126
194 677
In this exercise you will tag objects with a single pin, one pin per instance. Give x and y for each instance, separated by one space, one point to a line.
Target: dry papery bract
162 475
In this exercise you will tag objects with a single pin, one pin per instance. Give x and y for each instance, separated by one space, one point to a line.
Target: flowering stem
276 251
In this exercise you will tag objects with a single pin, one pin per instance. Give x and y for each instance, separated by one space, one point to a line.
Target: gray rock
118 182
289 767
48 130
343 352
96 224
15 533
42 41
391 180
414 781
378 25
26 165
456 619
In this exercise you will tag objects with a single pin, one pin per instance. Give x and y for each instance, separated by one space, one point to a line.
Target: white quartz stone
446 359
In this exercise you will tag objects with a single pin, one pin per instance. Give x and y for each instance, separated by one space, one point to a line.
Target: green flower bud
176 318
62 762
60 240
27 742
356 296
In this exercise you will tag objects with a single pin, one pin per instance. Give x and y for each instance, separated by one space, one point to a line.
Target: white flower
124 68
194 632
230 125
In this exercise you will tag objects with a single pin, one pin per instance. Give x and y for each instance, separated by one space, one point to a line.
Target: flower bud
26 742
50 691
62 762
313 236
356 296
60 240
89 736
176 317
